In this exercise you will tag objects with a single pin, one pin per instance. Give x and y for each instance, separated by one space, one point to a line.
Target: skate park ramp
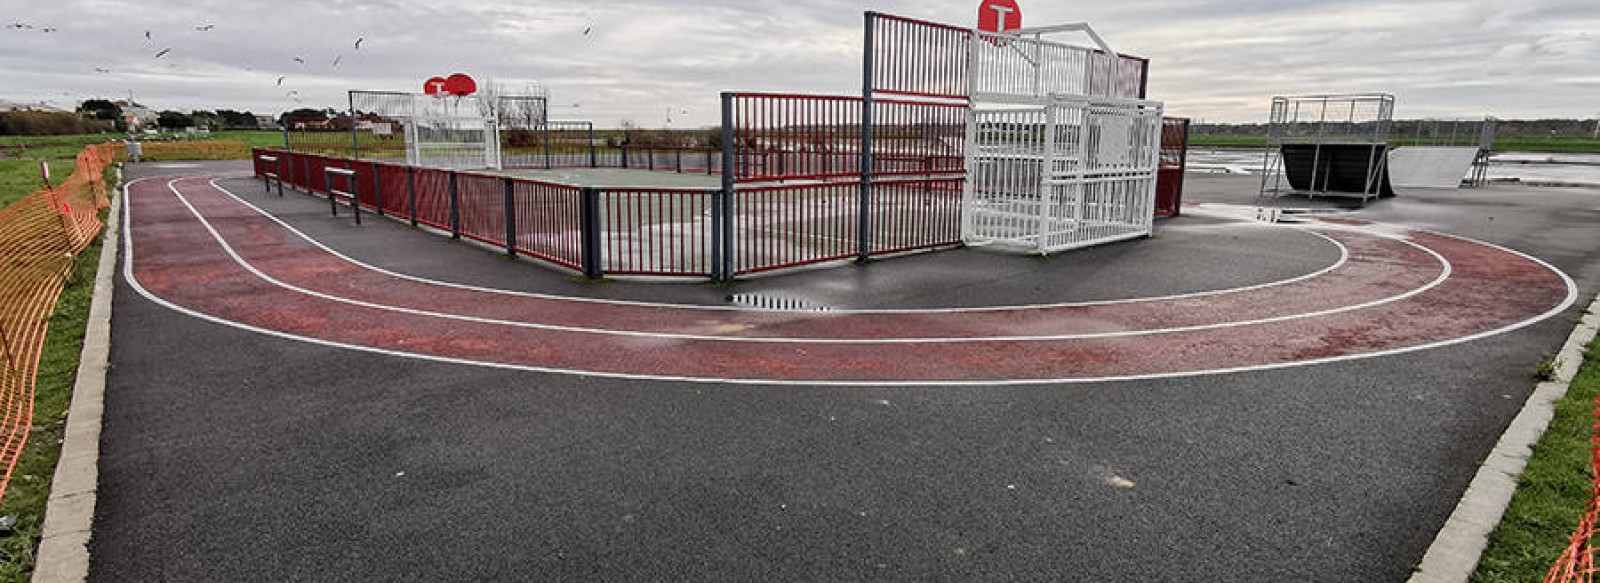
1335 168
1430 166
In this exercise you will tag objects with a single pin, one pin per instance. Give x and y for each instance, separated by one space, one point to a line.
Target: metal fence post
455 208
411 193
590 216
864 230
710 167
355 135
377 190
721 221
511 217
594 154
624 148
287 147
649 158
679 153
547 164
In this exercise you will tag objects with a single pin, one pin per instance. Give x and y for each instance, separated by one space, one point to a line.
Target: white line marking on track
1344 257
1445 272
127 237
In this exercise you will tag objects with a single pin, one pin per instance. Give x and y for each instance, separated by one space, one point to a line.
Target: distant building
266 122
137 116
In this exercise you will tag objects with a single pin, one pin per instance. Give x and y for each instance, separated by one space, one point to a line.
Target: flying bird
280 80
337 59
21 25
299 60
163 52
205 28
358 42
49 30
587 30
147 35
101 70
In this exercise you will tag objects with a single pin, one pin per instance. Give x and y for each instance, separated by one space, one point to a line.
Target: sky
663 63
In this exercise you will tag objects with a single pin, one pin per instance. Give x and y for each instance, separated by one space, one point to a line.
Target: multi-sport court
294 395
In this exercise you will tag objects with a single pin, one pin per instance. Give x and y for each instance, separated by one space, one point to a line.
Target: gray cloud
1211 59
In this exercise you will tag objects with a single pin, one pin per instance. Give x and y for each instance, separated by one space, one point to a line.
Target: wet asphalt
232 456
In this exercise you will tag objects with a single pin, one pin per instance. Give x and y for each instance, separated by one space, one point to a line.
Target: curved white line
1572 296
1447 269
1344 257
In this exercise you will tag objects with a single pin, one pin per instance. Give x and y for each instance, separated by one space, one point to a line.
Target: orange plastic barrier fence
1577 561
40 238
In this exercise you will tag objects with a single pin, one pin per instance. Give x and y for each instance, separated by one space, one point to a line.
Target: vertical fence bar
377 189
594 155
591 230
455 208
721 248
864 230
411 193
547 145
511 217
355 134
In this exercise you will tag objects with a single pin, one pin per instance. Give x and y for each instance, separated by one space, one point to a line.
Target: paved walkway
234 454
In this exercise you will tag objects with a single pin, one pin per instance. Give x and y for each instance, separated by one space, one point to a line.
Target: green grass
1537 144
29 488
20 177
1552 492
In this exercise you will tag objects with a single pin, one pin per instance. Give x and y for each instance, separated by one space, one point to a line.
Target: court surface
296 397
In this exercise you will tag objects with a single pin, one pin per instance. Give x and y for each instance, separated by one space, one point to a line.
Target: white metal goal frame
1059 155
455 132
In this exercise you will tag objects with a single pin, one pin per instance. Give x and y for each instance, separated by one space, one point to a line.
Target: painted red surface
999 15
177 259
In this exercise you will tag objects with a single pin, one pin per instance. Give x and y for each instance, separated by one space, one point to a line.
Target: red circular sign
999 15
460 85
434 86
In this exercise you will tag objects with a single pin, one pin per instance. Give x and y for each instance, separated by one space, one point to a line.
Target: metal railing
662 232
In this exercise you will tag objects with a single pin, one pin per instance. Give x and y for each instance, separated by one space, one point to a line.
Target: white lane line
1344 257
1445 272
127 236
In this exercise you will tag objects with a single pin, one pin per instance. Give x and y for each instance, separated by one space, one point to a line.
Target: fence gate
1063 154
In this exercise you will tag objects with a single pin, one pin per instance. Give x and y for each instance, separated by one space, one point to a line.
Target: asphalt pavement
234 456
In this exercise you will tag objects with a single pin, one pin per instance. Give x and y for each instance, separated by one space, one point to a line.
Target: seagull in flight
49 30
299 60
358 42
163 52
337 59
101 70
280 80
205 28
147 35
587 30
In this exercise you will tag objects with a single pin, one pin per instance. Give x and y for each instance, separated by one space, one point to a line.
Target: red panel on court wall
460 84
434 86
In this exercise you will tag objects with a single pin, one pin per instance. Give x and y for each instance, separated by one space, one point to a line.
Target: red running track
199 249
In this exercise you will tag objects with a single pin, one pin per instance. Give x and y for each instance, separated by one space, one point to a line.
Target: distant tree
174 120
231 119
304 114
206 119
103 110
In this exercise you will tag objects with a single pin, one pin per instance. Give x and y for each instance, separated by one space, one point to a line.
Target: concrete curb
69 514
1454 554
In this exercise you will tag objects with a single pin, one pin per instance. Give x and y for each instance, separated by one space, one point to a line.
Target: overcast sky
1217 60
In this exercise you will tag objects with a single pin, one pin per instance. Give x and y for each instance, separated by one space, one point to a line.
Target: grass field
29 488
1552 492
1542 144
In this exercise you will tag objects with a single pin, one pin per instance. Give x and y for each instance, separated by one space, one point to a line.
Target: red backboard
999 15
434 86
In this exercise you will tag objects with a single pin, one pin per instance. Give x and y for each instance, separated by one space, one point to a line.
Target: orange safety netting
1577 561
40 238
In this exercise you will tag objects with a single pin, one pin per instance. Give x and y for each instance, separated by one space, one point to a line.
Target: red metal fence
781 137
